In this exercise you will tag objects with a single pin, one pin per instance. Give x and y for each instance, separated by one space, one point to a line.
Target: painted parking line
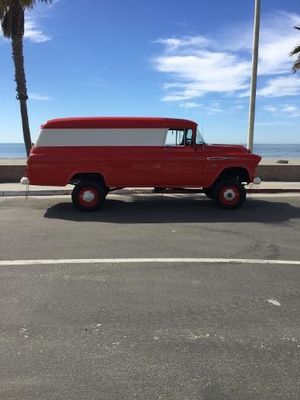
148 260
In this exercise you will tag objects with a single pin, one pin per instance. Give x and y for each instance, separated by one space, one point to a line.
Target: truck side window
199 138
179 137
175 137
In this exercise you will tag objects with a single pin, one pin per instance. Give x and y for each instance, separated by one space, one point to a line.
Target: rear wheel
88 196
229 194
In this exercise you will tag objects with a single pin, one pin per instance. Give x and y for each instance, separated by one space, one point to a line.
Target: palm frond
3 8
295 51
29 4
3 4
12 15
296 65
6 24
25 4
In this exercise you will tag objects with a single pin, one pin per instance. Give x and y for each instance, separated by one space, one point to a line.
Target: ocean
278 151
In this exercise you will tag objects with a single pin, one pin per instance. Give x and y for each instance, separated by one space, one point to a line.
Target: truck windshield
199 138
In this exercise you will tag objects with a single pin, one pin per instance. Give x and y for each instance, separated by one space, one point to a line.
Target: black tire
229 194
209 192
88 195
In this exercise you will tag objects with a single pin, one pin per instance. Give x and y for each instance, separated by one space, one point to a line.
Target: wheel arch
87 176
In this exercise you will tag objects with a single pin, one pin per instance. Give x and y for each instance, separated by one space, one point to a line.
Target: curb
32 193
11 193
273 190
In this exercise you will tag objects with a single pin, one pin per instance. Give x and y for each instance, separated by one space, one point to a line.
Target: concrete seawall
268 170
274 170
11 173
279 172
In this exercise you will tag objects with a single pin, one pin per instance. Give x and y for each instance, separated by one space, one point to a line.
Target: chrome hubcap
229 194
88 196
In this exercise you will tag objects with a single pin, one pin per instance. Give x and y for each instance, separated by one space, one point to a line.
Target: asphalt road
150 226
148 330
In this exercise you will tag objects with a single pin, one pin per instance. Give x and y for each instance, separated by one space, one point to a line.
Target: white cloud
281 86
186 41
39 97
237 107
290 110
190 104
197 65
278 38
271 109
33 33
211 108
203 72
275 123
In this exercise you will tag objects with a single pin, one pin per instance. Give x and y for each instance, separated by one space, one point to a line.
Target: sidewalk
16 189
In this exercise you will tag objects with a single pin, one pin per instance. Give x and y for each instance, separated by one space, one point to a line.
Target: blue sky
187 59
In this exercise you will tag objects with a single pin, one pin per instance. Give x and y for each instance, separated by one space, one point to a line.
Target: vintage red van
100 154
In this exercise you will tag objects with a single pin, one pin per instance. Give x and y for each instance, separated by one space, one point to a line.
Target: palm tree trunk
18 58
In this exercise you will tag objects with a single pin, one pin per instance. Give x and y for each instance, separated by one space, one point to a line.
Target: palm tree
296 51
12 22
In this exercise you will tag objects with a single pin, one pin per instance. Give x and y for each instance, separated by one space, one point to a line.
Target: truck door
182 160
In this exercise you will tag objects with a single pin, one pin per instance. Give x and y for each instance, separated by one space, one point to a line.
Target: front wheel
229 194
88 196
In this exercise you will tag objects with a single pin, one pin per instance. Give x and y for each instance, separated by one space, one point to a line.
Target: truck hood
231 150
227 148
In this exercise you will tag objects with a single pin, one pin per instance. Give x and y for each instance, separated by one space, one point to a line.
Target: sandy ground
12 161
275 161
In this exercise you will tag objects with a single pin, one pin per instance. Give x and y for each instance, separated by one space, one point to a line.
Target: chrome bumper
24 180
257 180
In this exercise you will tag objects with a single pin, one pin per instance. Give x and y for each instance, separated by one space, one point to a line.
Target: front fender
215 167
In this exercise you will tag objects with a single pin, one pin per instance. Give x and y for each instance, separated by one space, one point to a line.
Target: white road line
148 260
